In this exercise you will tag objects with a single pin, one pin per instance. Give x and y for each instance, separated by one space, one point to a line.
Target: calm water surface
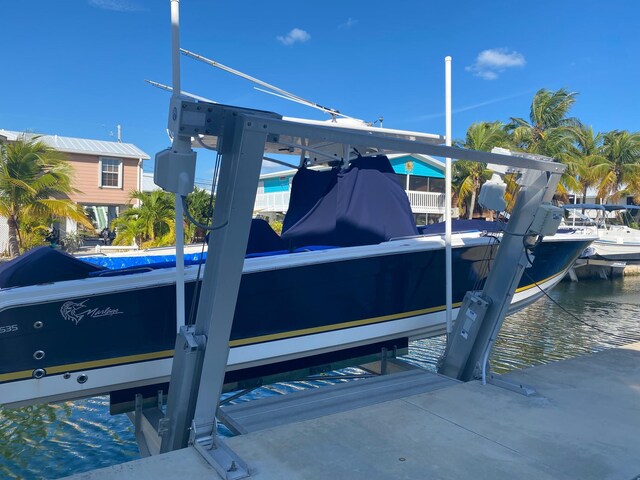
56 440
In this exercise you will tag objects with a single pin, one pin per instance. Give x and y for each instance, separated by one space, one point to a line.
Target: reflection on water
53 441
607 316
57 440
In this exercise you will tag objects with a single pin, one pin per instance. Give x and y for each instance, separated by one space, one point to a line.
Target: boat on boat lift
351 274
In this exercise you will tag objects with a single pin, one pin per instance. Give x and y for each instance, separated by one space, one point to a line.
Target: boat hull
616 250
92 336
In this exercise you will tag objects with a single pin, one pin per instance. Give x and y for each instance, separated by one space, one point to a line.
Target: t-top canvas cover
363 205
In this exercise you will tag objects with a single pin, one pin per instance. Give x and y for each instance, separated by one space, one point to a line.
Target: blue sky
77 67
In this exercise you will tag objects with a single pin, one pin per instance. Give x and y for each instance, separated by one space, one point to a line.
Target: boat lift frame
241 137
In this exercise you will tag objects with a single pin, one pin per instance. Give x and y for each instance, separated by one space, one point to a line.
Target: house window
110 173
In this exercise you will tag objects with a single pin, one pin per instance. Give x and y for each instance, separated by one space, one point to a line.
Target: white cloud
490 63
294 36
116 5
500 58
487 74
348 24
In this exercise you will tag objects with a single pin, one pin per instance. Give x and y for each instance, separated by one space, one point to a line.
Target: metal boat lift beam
482 313
242 137
200 118
202 350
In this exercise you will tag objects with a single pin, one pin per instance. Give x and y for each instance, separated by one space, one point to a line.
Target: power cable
613 335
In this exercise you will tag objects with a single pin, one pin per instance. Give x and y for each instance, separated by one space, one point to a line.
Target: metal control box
547 220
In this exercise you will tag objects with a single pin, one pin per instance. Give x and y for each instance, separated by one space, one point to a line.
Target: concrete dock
583 423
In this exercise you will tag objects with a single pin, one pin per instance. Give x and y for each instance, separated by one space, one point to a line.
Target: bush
34 235
73 241
277 226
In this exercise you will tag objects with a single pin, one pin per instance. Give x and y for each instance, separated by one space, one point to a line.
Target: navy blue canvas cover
308 187
364 205
43 265
262 238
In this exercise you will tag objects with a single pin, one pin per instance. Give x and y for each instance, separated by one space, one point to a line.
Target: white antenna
179 144
292 99
447 205
186 94
283 93
119 133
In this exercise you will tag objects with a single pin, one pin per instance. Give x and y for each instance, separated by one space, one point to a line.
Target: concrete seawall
603 271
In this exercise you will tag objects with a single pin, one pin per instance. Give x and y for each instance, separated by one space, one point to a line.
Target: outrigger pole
183 93
274 90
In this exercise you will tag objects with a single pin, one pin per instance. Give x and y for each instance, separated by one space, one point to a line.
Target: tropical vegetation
34 183
35 180
469 176
150 221
200 204
606 164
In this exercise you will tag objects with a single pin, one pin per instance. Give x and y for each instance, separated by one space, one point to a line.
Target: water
599 314
56 440
52 441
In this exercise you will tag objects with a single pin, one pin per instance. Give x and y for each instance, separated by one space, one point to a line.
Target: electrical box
547 220
175 171
470 317
492 194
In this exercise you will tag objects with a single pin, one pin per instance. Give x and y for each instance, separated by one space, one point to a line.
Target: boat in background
616 228
350 275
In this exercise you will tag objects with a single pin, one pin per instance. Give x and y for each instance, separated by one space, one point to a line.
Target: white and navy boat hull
90 336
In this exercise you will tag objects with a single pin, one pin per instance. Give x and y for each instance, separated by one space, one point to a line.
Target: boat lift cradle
242 136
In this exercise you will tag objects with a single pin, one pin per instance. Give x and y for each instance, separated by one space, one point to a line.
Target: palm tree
548 131
468 176
620 174
34 182
131 230
152 222
200 204
583 160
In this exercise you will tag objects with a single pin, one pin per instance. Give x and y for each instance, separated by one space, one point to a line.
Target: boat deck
583 422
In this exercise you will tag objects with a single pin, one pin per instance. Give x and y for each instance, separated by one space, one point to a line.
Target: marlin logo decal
76 311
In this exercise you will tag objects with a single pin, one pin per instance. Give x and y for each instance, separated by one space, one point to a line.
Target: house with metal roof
104 174
421 175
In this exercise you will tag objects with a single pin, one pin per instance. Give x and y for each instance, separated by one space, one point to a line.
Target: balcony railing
272 202
421 202
426 202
